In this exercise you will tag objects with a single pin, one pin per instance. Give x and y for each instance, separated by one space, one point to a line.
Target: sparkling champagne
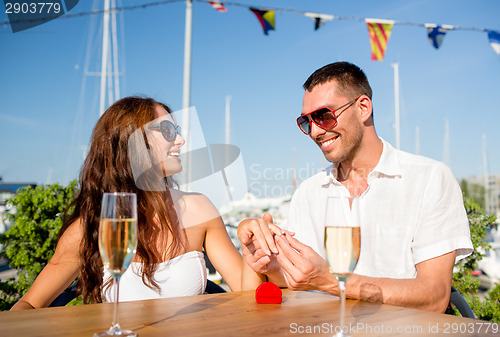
117 243
342 245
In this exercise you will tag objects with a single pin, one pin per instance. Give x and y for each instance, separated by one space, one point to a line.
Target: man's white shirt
412 211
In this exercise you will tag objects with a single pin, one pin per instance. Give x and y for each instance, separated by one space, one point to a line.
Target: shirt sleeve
443 225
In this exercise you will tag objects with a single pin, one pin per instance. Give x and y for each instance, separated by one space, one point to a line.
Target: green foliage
479 223
30 241
487 309
466 284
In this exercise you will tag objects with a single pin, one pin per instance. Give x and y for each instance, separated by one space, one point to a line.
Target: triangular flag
494 38
436 33
218 6
380 31
319 19
266 19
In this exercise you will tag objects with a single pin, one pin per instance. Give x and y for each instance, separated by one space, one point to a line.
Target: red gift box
268 292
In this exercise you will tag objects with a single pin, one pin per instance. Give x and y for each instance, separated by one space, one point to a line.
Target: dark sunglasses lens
324 118
304 124
168 130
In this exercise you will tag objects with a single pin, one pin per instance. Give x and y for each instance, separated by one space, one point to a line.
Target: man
416 225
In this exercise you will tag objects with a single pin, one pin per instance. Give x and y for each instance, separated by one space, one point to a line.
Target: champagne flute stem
342 308
116 285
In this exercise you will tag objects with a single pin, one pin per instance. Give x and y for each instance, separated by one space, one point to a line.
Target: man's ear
366 108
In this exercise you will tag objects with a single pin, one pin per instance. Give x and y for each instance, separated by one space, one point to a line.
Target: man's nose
316 130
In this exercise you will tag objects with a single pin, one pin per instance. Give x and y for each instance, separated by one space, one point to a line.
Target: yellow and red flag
380 31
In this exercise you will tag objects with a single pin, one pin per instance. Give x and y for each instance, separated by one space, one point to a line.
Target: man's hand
302 267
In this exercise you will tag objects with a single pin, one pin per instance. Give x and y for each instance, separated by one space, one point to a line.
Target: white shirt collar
388 165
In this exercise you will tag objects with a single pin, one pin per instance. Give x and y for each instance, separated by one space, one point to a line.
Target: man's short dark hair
351 80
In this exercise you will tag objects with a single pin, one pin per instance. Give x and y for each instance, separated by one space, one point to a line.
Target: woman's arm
199 215
250 279
58 274
205 228
223 254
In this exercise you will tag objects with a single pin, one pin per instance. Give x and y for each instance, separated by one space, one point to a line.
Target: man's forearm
415 293
429 290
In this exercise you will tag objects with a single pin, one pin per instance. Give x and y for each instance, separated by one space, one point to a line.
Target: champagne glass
117 245
342 244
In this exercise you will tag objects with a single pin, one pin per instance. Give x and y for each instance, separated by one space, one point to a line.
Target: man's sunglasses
167 129
323 117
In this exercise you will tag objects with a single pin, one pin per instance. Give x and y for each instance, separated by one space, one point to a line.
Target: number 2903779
30 7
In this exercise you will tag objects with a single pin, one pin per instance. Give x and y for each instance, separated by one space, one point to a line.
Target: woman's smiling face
166 152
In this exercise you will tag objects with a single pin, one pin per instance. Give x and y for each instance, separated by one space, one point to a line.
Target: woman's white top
184 275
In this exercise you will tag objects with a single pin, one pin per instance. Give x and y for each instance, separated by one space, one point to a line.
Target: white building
8 191
491 195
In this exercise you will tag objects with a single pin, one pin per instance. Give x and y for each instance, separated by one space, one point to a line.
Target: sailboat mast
186 94
104 58
486 177
109 66
294 163
396 104
116 72
446 147
417 139
228 120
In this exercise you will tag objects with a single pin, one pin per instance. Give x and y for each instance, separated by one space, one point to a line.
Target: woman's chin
173 169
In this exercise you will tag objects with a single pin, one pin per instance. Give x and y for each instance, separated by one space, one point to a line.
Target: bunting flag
380 31
319 19
494 38
436 33
218 6
266 19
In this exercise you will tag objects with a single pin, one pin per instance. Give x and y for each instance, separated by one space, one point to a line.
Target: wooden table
238 314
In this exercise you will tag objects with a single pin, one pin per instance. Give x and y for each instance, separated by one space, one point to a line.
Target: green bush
468 285
30 241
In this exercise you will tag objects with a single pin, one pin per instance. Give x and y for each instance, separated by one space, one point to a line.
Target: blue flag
436 34
494 38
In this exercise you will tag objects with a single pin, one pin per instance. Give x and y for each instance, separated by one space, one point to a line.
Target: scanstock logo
26 14
216 170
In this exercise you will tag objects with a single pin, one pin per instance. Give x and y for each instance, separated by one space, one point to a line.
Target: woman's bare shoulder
193 208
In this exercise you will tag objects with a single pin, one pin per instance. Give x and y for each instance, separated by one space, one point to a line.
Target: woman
135 147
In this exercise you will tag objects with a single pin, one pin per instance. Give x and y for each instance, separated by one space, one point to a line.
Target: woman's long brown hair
107 168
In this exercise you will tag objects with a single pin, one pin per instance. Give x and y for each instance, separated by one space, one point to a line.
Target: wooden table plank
237 313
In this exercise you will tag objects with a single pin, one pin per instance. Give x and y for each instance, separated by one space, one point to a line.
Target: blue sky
49 107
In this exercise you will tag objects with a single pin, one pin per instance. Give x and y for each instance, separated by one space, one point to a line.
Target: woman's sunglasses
167 129
323 117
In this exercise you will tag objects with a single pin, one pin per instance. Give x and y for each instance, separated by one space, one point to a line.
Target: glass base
116 332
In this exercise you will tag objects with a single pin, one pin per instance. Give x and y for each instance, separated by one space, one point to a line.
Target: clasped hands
275 253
